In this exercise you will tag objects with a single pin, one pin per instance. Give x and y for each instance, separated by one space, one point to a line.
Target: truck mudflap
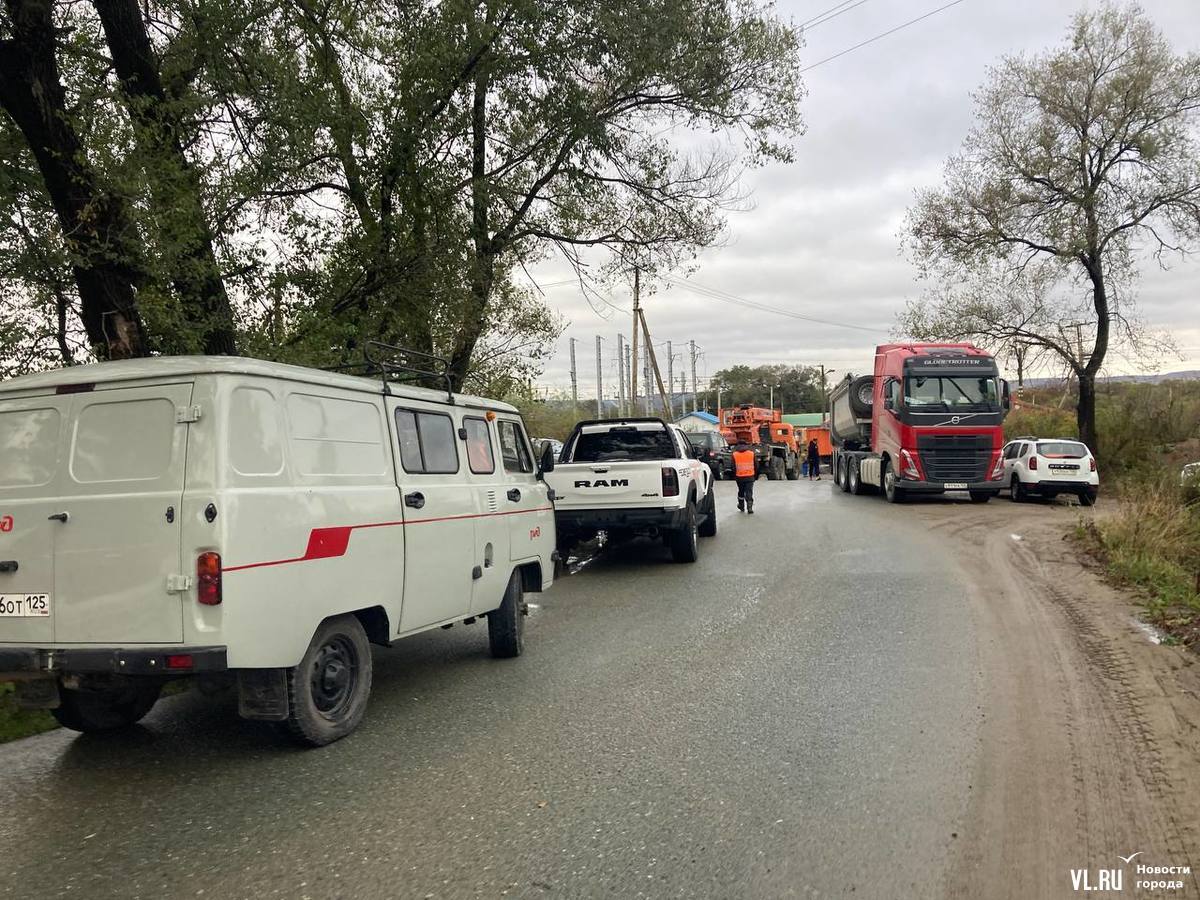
17 663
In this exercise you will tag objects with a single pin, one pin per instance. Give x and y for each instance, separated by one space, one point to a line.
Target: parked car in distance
1049 467
540 445
713 450
234 519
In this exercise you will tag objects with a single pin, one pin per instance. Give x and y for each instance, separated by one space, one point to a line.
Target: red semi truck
928 421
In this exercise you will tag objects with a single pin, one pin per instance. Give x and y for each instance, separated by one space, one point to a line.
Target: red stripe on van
332 542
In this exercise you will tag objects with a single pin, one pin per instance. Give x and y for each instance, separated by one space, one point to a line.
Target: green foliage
796 388
546 417
18 723
1040 422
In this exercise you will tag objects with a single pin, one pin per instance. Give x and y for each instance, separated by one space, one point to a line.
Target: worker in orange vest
745 472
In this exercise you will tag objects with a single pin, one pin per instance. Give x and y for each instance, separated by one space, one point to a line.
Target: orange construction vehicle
774 441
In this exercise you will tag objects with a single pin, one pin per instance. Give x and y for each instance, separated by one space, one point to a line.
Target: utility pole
631 404
599 382
574 381
652 359
692 350
620 374
670 383
637 323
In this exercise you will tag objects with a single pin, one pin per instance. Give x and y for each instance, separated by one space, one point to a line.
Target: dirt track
1091 745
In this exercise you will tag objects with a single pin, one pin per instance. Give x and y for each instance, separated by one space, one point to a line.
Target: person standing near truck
745 472
814 461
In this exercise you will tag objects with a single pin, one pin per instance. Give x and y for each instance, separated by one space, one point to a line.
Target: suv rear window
623 443
1061 450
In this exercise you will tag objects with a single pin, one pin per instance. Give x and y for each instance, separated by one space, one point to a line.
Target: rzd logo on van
601 482
535 533
6 523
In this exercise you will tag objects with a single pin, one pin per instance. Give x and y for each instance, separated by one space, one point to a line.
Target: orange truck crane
776 451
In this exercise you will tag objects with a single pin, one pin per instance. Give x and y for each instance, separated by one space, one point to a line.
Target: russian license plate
955 485
24 605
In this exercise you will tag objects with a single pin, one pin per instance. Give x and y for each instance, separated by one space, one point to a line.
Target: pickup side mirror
546 464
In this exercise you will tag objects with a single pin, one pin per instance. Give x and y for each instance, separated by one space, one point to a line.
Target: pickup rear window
623 444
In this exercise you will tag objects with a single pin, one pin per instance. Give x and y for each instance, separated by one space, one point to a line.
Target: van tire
108 710
708 528
328 690
685 546
506 625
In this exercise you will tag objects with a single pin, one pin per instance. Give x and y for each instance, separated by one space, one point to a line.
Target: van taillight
670 482
208 578
1033 463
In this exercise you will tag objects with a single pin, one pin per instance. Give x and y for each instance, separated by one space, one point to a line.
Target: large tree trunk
95 223
187 239
1085 414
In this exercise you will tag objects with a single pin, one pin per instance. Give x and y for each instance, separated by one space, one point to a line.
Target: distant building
697 421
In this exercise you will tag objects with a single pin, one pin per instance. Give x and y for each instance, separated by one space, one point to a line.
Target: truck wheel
685 544
780 468
854 478
106 709
844 472
506 625
794 472
981 496
328 691
708 528
772 471
892 492
1016 492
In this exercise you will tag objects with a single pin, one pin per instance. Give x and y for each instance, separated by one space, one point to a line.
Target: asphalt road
797 714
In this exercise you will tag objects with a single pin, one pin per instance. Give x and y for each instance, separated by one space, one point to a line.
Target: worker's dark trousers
745 492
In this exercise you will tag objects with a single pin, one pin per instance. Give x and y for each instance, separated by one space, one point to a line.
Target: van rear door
122 482
31 439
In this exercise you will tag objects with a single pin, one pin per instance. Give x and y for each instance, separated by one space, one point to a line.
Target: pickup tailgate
607 485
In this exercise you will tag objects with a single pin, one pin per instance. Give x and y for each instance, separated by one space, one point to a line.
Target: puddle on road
1152 634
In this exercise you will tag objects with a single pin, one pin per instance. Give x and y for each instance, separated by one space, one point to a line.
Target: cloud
821 235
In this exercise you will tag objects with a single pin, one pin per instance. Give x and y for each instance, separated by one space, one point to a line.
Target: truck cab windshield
950 392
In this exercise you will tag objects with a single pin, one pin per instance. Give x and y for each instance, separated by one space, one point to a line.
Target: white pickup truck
632 476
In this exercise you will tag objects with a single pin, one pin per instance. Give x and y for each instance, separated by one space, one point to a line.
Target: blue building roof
703 416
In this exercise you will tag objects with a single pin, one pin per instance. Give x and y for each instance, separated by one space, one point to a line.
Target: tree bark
175 185
1085 413
95 223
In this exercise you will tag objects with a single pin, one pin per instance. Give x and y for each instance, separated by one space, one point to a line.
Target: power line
714 294
808 22
811 24
880 36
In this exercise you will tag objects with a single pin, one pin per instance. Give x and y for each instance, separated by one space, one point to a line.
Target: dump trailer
929 420
776 452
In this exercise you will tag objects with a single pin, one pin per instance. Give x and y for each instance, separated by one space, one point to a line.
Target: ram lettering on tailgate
603 482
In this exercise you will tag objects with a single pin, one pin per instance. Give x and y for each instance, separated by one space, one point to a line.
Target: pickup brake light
670 482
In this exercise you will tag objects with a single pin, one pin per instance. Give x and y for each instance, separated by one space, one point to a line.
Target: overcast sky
821 236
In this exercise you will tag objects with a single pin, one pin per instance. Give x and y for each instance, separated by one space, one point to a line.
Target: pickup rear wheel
506 625
708 528
685 542
328 691
108 708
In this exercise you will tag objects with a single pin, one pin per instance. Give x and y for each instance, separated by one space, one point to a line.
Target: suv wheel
506 625
685 541
328 691
1016 490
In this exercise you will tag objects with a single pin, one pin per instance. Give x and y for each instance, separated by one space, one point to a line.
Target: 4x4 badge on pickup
601 482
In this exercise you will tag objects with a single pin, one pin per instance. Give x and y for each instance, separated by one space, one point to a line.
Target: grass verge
1152 541
18 723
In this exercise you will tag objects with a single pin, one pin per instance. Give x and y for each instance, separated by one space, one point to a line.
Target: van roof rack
401 365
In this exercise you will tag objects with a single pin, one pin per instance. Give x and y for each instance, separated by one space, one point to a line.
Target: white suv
1049 467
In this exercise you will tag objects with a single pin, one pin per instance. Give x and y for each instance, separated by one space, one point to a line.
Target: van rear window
623 443
126 440
28 447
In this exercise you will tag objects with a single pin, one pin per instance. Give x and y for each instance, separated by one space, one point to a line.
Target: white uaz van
194 515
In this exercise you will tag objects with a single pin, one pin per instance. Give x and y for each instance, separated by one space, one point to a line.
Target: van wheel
685 544
506 625
328 691
708 528
106 709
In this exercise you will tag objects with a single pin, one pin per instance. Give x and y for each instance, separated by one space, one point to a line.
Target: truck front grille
955 457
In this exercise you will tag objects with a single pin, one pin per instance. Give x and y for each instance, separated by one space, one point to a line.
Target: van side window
479 446
426 442
513 450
